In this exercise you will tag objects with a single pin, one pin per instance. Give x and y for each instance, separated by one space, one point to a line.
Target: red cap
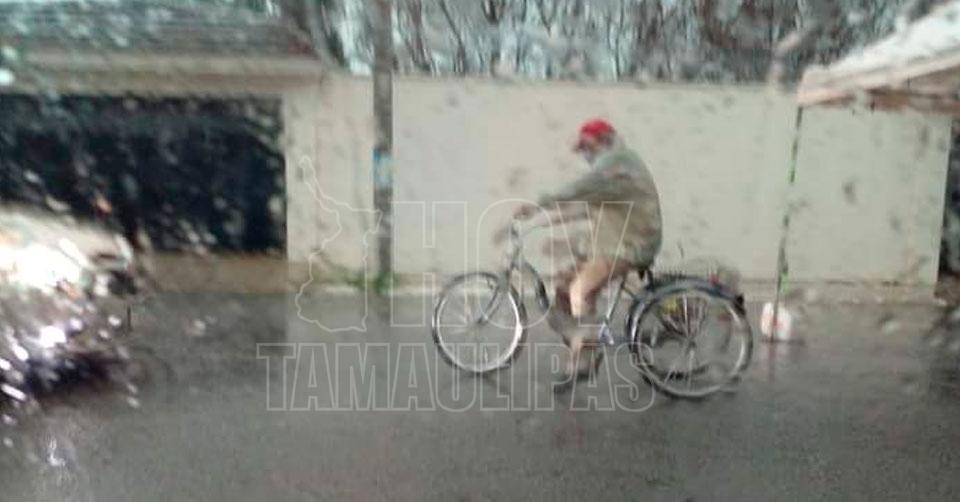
594 129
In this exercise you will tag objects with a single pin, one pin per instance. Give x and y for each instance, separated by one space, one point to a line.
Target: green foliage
380 284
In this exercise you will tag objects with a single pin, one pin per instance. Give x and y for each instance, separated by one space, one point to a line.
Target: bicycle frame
519 264
663 296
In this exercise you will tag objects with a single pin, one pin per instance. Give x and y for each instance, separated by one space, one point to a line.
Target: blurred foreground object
917 66
708 268
783 331
65 294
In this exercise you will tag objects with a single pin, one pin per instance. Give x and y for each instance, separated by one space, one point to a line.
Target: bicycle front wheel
478 323
691 339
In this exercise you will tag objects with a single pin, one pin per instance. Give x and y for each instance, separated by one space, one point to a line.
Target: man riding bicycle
619 200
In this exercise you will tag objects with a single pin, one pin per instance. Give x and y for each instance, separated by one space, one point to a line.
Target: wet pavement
867 408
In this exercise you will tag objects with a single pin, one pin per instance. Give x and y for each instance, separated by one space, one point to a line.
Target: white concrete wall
720 156
870 190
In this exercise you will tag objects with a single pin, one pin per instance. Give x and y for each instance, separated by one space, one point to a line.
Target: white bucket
783 331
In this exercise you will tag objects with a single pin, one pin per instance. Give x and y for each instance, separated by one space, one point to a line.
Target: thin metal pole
383 145
783 268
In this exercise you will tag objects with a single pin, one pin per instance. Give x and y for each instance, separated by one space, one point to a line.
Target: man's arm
561 213
597 186
537 216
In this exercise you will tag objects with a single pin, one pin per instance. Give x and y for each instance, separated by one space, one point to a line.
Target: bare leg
591 278
560 319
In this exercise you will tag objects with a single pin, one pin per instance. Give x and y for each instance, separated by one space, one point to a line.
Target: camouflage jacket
623 208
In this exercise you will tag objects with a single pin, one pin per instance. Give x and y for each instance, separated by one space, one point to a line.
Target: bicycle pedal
606 337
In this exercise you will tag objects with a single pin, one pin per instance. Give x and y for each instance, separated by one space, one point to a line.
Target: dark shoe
564 387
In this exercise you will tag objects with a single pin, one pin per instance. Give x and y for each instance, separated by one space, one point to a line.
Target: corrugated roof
922 59
145 26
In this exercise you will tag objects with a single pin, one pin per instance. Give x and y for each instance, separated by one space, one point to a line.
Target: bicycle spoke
703 316
673 366
693 349
474 308
491 322
459 331
460 323
694 311
667 321
465 320
655 337
725 341
659 336
490 307
465 313
691 367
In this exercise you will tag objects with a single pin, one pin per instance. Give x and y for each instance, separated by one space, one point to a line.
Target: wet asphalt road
866 409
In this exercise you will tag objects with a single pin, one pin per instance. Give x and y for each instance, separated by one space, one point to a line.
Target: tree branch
460 62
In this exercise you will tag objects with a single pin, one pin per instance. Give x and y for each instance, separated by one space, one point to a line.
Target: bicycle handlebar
518 232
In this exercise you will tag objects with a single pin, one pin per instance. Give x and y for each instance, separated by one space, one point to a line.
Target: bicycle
667 315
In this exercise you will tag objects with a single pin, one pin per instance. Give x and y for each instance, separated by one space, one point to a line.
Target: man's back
624 207
640 221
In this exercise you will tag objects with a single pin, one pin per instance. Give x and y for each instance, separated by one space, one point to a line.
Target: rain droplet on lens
55 205
198 328
19 351
13 392
15 377
850 191
8 442
9 53
6 77
133 402
49 375
120 40
75 324
8 420
890 326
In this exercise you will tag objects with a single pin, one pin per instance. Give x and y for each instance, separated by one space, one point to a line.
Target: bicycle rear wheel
478 323
691 339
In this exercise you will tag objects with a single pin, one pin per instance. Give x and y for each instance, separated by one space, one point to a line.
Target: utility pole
383 137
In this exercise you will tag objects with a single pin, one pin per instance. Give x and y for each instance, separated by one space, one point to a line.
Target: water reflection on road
856 409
